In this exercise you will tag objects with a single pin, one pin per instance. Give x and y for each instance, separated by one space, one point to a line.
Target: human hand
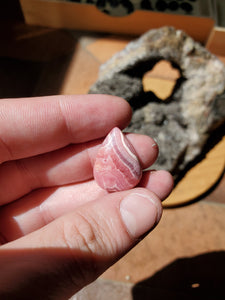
59 229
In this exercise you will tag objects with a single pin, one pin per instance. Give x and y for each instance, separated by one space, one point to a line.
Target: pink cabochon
117 167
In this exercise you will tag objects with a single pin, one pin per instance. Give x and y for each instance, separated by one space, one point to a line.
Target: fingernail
140 213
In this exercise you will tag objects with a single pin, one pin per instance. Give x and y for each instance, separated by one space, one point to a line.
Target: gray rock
184 122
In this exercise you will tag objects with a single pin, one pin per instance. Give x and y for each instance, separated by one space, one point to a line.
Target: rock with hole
184 122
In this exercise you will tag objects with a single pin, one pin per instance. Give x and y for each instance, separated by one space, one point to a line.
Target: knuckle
81 239
92 246
88 235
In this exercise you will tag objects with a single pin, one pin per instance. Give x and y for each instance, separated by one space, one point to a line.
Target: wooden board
216 41
200 179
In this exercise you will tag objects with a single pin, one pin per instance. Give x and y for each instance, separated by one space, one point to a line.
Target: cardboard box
79 16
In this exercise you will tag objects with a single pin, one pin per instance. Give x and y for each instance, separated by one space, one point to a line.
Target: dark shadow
41 273
10 10
18 78
33 60
213 140
139 70
141 67
199 277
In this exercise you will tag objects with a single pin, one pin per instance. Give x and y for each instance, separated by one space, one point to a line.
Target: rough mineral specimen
182 123
117 167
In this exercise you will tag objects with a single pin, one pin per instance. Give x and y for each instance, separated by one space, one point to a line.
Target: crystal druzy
184 124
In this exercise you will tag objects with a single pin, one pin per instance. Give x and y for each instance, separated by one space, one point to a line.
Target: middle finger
45 205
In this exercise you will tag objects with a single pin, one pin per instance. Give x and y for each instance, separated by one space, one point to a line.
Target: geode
183 123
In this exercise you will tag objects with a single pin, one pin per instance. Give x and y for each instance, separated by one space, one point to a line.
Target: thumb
75 249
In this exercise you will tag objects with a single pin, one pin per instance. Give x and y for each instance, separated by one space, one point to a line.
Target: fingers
79 246
71 164
45 205
159 182
37 125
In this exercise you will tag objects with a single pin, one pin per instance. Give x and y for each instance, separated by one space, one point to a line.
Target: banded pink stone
117 167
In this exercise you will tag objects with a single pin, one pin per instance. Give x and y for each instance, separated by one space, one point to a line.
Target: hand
59 230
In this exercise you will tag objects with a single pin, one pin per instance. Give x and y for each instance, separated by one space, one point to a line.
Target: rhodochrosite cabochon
117 167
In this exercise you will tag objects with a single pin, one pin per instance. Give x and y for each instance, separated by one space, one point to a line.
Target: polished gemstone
117 167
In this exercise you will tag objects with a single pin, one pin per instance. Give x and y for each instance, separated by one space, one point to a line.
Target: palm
47 150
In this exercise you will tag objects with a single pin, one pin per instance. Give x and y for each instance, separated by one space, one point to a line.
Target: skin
59 230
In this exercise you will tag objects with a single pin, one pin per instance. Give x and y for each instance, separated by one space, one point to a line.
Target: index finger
31 126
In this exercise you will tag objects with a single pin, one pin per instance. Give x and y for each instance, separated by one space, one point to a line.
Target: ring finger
45 205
